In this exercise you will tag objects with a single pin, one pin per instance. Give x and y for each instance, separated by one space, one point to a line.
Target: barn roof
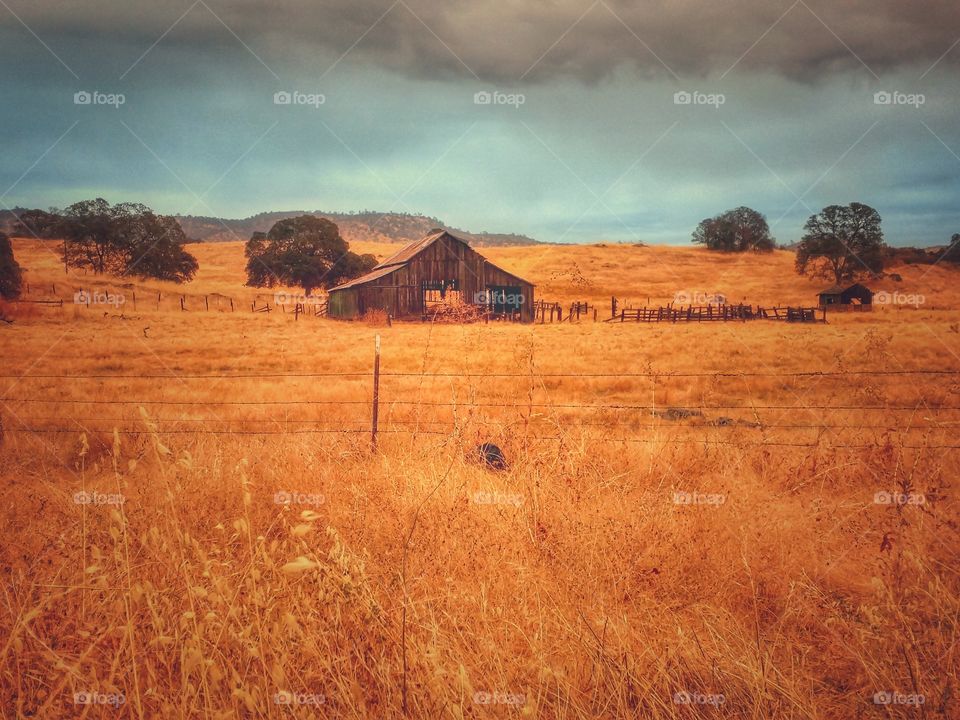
515 277
376 273
401 257
408 253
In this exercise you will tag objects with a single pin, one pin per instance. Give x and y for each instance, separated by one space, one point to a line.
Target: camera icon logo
282 97
82 97
882 97
482 98
682 97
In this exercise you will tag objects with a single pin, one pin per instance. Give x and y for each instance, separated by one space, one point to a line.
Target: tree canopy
842 243
306 251
124 239
10 275
737 230
37 223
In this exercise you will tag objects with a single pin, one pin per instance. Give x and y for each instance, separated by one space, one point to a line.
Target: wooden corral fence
47 303
315 309
127 296
718 313
546 311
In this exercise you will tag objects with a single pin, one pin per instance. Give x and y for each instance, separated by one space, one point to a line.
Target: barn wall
342 304
400 292
495 276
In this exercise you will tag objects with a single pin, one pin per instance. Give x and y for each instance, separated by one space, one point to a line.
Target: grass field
749 520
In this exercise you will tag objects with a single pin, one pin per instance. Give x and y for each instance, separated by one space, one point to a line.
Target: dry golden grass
571 585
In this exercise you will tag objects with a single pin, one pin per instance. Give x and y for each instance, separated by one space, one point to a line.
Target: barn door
504 299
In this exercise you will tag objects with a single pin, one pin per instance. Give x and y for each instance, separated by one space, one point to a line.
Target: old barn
441 269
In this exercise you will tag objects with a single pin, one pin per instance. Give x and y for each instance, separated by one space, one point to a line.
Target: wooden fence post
181 303
376 395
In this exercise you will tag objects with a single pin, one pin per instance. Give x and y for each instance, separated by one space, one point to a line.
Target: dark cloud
506 40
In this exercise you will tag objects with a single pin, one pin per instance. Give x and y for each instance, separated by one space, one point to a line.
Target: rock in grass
491 456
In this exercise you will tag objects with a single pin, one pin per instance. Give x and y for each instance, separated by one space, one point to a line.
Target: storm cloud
512 41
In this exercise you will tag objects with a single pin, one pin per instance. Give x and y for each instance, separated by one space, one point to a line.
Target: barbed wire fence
378 412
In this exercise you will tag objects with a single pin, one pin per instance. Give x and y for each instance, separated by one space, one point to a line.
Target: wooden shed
440 268
838 296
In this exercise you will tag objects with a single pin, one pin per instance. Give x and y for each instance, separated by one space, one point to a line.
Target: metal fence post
376 395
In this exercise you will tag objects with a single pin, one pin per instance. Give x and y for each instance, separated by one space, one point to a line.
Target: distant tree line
121 239
841 242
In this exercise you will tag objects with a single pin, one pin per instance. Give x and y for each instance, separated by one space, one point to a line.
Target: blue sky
783 114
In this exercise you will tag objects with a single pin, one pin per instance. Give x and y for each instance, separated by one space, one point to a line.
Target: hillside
363 226
721 510
561 273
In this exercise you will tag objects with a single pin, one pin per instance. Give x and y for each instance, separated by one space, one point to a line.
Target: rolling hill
362 226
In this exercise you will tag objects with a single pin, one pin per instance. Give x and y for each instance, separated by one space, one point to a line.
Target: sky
564 121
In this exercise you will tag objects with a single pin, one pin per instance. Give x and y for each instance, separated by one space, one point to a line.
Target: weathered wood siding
400 292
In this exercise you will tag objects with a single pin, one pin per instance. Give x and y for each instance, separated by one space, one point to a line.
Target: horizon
780 245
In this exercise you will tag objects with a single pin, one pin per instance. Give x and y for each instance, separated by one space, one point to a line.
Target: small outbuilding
840 297
439 269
